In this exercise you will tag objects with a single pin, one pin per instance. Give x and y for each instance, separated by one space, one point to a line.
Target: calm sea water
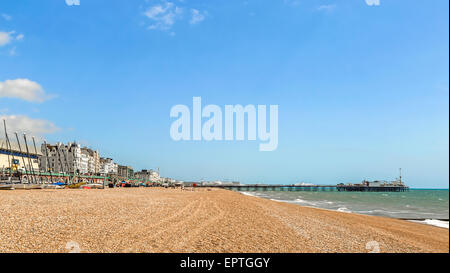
415 204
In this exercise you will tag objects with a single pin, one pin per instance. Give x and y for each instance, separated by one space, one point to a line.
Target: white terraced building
93 160
84 166
70 158
107 166
62 158
150 175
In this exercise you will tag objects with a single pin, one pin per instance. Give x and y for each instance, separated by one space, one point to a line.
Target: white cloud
30 126
6 17
8 37
326 7
373 2
163 16
23 89
196 16
5 38
73 2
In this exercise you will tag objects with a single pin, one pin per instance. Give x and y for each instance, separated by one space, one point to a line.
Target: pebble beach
157 220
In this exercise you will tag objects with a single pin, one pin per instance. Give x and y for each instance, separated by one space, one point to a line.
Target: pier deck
327 188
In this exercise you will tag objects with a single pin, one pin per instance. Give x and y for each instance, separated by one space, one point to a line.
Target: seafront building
148 175
60 158
70 158
125 172
84 169
93 160
107 166
17 158
49 162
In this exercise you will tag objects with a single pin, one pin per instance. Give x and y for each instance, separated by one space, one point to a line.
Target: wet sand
171 220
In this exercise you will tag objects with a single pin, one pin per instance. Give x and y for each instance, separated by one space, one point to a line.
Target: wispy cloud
6 17
23 89
328 8
73 2
373 2
196 16
20 37
164 15
12 51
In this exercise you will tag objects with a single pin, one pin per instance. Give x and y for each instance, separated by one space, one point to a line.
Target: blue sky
362 89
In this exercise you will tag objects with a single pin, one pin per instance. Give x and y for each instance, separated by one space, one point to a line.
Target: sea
427 206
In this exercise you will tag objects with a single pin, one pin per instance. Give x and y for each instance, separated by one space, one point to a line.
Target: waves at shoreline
433 222
407 212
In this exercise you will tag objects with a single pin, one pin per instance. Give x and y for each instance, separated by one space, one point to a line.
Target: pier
310 188
261 187
374 189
